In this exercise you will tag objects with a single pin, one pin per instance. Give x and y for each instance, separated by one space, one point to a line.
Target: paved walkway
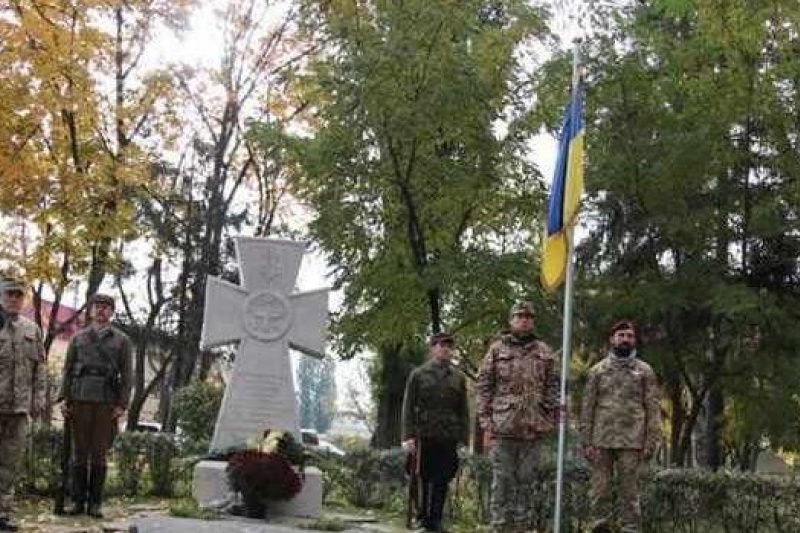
164 524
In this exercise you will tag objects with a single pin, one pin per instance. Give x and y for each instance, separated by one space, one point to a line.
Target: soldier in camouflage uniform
620 426
96 388
22 389
517 405
435 421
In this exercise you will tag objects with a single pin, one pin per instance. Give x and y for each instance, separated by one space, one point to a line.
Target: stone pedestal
210 486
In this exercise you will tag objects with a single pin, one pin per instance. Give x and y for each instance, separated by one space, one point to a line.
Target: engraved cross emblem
266 318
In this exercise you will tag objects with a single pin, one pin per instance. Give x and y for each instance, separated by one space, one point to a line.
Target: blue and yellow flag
565 193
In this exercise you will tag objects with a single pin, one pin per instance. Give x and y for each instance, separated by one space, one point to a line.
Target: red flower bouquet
261 477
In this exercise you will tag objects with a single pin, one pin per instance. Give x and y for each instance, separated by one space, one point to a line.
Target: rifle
414 481
66 459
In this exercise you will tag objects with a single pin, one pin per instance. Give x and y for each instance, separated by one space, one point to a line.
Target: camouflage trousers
13 436
514 466
622 466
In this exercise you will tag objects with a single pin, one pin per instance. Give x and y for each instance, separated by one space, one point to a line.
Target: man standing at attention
96 388
22 389
435 421
517 406
620 427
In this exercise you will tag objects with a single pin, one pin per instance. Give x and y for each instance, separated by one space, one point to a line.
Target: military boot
7 525
79 490
97 479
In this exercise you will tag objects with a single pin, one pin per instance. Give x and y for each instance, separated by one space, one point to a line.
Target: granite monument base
210 486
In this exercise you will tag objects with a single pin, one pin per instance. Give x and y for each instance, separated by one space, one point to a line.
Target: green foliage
147 457
145 463
161 455
422 206
42 465
196 407
364 478
691 500
692 205
129 449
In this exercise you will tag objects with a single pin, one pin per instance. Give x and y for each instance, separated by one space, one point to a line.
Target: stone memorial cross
266 318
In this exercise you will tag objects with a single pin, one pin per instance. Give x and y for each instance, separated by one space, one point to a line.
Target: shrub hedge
674 501
144 463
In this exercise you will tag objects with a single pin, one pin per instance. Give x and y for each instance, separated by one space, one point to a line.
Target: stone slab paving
166 524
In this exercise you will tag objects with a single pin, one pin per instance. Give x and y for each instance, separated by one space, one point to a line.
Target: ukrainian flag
565 193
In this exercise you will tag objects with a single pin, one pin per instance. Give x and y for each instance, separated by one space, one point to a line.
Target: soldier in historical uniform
22 388
517 406
96 389
620 426
435 421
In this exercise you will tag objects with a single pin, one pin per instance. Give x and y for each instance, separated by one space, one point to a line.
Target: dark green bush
674 501
42 465
162 453
680 501
196 407
129 452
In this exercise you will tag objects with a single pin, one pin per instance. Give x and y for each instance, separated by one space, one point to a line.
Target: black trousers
438 466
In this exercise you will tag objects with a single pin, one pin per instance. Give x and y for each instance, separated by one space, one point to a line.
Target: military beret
102 299
436 338
10 285
623 324
522 308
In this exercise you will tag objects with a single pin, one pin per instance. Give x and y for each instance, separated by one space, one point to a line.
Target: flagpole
566 343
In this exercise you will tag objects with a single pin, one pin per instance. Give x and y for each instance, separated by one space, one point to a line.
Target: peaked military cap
100 298
13 284
436 338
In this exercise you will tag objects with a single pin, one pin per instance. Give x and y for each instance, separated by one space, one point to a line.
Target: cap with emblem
441 337
13 285
102 299
522 308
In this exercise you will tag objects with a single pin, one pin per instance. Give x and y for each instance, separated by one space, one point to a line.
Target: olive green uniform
436 414
97 378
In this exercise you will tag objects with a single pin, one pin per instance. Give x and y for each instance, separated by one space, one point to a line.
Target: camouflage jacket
98 367
621 405
23 371
435 403
518 388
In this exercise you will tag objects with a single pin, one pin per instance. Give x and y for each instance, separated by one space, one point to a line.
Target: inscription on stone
265 318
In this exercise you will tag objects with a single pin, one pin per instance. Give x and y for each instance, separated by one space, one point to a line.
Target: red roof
64 314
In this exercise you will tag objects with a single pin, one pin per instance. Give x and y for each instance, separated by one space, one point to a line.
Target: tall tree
316 390
222 161
423 201
73 156
692 175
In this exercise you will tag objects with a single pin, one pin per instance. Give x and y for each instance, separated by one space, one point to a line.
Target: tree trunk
395 364
677 421
715 406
